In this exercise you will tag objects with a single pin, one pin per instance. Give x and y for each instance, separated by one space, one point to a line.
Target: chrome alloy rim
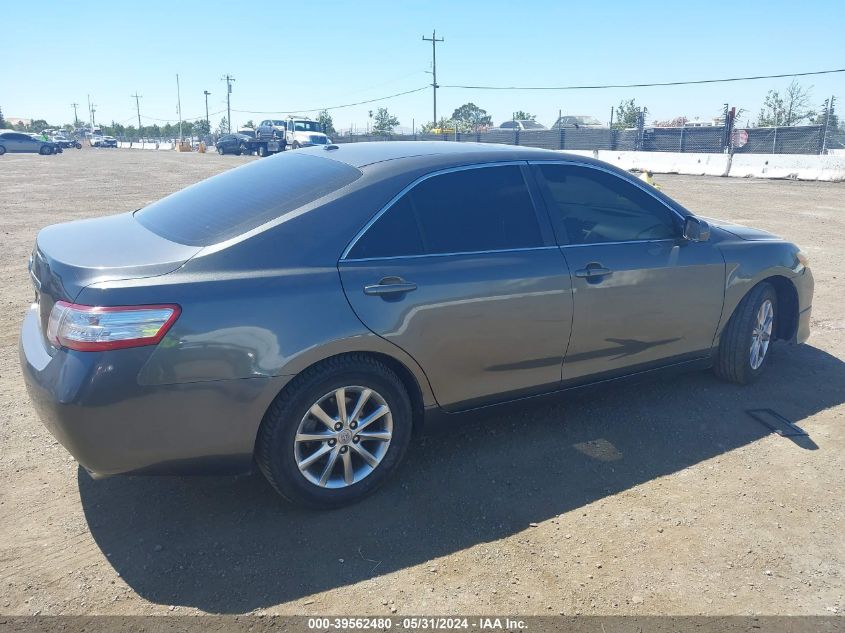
761 335
343 437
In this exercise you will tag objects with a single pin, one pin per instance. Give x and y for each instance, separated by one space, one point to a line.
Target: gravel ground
662 497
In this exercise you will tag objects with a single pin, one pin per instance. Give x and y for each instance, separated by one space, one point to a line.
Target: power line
337 107
648 85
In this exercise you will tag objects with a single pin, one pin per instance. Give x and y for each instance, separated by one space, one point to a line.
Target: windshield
533 125
306 126
240 200
279 123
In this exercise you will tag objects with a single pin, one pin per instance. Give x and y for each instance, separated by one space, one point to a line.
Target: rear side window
242 199
465 211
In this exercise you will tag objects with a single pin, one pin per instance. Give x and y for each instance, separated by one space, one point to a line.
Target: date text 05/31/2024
416 623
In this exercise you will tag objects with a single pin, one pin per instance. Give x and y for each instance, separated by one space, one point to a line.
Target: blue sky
334 52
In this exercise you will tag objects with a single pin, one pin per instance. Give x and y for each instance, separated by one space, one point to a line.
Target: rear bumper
93 405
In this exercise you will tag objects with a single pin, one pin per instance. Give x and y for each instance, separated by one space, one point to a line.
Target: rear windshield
239 200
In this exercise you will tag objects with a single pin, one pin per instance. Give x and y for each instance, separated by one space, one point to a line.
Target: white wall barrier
692 164
791 166
829 167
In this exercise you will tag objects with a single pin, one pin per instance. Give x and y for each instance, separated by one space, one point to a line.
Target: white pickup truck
297 132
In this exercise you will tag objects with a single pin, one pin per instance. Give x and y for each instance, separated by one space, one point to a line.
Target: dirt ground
662 497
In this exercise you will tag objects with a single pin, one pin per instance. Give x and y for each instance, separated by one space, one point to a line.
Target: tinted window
239 200
595 206
468 210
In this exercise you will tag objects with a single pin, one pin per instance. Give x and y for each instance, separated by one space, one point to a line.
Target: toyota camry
306 314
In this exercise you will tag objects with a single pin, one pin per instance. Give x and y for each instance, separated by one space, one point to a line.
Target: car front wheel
336 432
745 346
45 150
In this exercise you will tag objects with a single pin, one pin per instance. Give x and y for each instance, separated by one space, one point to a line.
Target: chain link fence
807 139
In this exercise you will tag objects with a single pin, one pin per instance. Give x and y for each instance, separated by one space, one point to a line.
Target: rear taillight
97 328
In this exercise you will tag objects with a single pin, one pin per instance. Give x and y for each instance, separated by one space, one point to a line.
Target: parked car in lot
308 312
234 144
522 125
20 142
103 140
64 142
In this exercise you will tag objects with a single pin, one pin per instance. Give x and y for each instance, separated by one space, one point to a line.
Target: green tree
249 124
2 120
223 126
384 122
326 123
202 127
38 125
627 114
819 118
521 115
469 118
793 108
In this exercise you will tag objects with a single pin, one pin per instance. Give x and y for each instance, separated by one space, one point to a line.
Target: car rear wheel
336 432
2 150
745 346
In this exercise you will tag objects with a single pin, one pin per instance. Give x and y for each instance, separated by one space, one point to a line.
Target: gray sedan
19 142
308 313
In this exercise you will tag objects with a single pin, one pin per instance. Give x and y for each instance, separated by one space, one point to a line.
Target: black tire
296 145
45 150
220 150
262 150
274 451
733 361
2 150
245 150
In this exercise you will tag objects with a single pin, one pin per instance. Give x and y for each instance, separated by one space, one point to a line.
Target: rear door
461 272
643 296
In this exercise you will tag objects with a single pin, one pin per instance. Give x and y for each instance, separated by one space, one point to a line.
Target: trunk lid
68 257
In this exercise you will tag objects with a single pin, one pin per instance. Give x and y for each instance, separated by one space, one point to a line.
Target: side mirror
696 230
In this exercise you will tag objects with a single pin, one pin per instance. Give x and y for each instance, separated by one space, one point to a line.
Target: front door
463 274
643 296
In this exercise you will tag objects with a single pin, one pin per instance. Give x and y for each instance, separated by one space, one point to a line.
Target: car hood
741 231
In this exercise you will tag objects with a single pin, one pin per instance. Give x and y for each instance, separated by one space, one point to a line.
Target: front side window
464 211
596 207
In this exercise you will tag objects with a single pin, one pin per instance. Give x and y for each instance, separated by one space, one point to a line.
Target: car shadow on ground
230 545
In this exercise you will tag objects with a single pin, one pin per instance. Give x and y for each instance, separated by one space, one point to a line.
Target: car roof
409 153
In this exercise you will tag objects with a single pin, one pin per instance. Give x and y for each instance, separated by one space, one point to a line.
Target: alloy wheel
343 437
761 335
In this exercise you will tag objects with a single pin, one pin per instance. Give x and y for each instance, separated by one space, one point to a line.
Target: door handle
593 270
389 286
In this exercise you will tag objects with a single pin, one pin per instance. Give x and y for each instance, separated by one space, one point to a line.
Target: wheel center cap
344 437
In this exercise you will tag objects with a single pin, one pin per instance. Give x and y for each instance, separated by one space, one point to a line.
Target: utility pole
228 79
138 110
93 118
90 116
75 118
433 39
179 106
207 121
